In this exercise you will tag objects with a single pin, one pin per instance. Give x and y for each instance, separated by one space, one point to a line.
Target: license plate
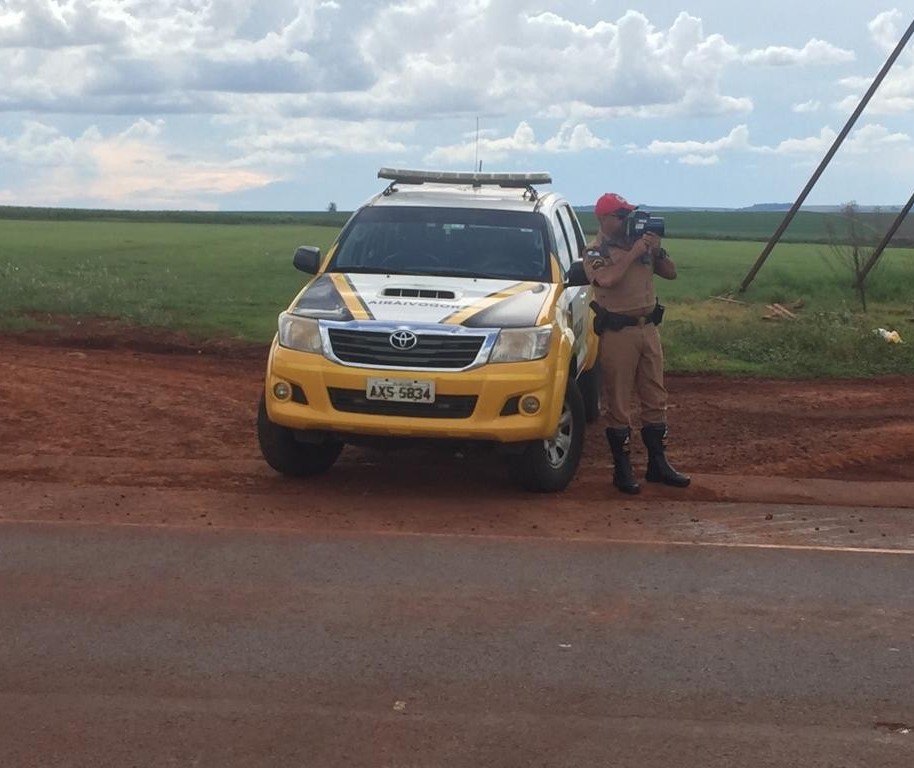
400 390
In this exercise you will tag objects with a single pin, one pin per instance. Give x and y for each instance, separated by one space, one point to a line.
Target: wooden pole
874 257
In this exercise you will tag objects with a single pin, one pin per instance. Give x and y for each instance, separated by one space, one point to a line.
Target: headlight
301 333
515 345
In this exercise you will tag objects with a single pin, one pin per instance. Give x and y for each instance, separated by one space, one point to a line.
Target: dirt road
109 419
226 648
172 600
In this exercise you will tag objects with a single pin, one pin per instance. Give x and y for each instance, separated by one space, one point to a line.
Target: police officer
621 268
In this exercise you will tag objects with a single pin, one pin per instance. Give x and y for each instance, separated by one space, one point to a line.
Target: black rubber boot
658 468
620 445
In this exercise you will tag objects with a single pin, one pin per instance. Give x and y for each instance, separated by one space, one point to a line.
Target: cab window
572 229
562 241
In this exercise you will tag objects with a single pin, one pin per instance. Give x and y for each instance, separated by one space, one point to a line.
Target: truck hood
420 299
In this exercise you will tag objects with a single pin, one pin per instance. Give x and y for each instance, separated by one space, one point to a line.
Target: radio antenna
477 166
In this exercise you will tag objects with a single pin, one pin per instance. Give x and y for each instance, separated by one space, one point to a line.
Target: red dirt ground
98 406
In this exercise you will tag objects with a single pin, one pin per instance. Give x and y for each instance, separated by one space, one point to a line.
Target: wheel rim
558 446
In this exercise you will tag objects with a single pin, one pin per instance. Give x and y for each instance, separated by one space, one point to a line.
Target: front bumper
477 404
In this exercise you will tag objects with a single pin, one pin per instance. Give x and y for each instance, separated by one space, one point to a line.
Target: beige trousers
632 365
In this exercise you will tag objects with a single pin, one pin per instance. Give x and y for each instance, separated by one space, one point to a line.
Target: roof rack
477 180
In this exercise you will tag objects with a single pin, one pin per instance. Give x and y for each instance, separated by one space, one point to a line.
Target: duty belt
604 320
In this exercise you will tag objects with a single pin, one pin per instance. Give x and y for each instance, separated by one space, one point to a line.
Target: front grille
453 351
444 407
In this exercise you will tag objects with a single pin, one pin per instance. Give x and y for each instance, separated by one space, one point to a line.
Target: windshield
445 241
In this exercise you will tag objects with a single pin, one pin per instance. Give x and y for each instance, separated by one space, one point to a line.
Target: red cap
611 203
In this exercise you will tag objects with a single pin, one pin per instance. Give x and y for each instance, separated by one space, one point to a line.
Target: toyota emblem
403 340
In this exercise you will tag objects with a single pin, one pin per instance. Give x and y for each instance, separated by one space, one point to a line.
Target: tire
287 455
590 385
547 466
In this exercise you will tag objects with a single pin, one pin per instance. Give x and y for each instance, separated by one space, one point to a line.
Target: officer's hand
651 240
651 243
594 258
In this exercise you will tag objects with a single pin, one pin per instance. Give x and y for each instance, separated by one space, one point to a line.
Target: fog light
530 404
281 390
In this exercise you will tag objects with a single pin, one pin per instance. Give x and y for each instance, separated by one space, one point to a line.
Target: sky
294 105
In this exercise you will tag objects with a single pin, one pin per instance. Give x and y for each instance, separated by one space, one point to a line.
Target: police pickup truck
443 311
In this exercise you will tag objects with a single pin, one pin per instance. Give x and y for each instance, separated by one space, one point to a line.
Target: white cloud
871 139
895 95
293 141
47 24
281 87
884 102
699 160
381 61
815 52
38 145
106 170
876 138
737 139
868 139
809 145
570 138
395 61
886 29
574 138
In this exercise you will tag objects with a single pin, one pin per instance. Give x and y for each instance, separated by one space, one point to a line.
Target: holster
604 320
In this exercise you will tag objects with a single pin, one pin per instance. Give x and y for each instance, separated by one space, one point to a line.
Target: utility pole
827 159
874 256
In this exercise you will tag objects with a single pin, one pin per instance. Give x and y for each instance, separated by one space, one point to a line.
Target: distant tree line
301 218
807 227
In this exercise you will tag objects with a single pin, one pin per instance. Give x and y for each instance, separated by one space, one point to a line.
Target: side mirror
576 274
307 258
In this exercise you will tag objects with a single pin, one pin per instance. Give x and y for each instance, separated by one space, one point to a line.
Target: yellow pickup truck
442 312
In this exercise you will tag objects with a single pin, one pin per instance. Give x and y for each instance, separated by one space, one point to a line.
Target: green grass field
806 226
209 279
231 279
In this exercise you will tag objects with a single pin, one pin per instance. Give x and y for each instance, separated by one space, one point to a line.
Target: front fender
563 352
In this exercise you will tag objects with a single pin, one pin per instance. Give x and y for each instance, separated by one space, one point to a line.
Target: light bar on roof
520 180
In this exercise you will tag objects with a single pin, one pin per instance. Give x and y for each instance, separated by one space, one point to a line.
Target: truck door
570 242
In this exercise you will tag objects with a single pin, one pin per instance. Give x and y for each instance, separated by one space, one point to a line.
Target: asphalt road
165 646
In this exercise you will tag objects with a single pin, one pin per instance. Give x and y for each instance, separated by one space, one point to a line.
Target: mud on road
104 423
